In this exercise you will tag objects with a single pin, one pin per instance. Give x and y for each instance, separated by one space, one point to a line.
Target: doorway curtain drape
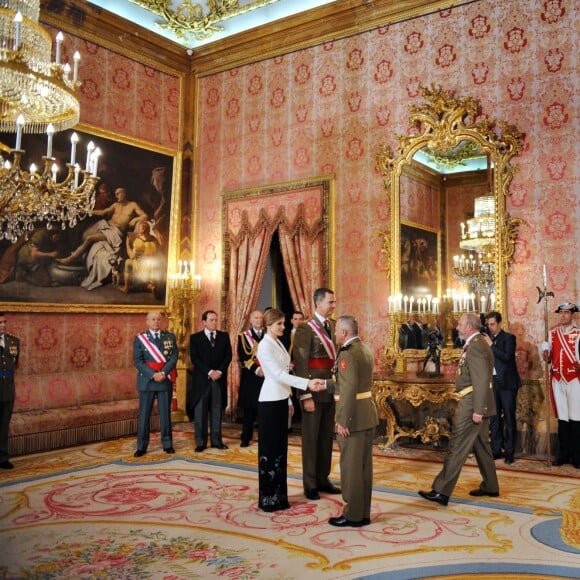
248 248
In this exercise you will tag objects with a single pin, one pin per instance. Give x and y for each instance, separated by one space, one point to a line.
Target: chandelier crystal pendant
38 96
477 270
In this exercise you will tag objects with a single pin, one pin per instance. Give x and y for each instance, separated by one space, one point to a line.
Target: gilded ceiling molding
189 19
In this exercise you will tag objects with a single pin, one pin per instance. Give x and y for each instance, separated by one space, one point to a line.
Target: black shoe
435 496
498 455
169 450
559 462
509 458
311 494
275 508
244 444
366 522
329 488
6 465
342 522
222 446
200 448
139 453
481 492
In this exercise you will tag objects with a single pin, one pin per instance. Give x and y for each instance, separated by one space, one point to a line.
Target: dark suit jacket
250 382
141 356
504 361
205 358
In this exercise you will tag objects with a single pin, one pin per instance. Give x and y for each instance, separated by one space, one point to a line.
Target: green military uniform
476 371
311 361
8 363
356 410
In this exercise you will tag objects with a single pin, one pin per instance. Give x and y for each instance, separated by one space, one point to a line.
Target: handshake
317 385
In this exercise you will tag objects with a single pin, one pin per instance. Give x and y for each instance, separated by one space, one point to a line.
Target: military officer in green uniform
356 419
314 355
9 351
476 404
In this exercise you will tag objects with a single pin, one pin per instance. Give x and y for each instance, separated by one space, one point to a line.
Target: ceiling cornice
323 24
106 29
326 23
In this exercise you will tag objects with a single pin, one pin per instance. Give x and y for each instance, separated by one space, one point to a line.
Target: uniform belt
320 363
359 396
468 390
6 374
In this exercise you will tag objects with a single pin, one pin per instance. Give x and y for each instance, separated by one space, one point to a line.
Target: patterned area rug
97 512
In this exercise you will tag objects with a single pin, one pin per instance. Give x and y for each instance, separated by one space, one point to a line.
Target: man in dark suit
506 382
155 355
252 375
356 419
314 355
211 354
9 352
470 431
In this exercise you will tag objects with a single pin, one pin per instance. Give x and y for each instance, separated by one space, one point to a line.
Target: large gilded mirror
451 242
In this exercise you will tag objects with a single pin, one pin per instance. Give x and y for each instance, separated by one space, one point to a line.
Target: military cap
567 306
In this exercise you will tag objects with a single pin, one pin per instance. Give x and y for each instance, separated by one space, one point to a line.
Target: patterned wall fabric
124 96
325 109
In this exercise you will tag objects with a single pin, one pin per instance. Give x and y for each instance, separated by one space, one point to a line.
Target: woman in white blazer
274 405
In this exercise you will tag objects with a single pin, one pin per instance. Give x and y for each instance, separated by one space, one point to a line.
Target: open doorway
275 291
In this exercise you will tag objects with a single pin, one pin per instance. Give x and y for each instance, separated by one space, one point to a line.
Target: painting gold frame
130 161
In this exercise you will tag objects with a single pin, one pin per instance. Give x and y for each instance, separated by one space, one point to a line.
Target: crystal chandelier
38 96
477 270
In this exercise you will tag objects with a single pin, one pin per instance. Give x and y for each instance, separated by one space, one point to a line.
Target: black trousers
503 425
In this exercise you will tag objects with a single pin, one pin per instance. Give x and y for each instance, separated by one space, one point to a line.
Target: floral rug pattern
97 512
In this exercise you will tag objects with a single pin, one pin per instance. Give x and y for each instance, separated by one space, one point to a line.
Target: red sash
325 339
160 360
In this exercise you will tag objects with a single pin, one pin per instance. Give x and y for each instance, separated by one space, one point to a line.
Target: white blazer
275 362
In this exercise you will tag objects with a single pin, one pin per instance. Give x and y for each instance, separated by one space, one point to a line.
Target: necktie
156 337
212 338
327 326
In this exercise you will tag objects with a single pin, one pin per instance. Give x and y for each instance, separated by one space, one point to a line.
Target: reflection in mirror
450 242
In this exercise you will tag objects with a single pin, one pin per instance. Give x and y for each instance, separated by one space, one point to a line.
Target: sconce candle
17 25
74 139
59 39
19 127
50 134
76 59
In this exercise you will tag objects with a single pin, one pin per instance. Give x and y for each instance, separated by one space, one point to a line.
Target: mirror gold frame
442 123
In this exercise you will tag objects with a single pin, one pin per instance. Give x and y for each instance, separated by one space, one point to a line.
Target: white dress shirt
275 362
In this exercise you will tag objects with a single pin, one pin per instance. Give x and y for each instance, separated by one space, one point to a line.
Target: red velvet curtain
248 248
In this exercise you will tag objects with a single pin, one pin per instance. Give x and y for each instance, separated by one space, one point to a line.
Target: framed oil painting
115 259
419 260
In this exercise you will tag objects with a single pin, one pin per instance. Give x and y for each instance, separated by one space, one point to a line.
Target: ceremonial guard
9 352
155 355
563 352
252 376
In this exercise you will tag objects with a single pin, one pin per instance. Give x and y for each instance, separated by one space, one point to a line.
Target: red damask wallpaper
325 109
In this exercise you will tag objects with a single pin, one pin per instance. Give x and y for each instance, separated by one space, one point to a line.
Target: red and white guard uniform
564 346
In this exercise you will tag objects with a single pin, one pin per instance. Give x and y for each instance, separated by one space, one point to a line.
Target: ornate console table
417 391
